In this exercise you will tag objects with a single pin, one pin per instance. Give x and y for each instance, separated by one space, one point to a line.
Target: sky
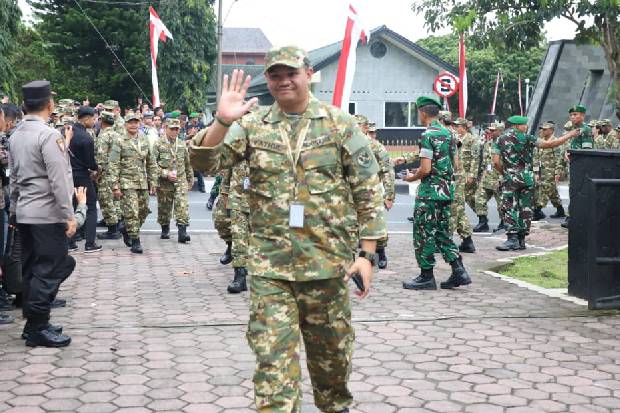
315 23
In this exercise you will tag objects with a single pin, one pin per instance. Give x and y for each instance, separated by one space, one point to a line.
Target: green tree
519 23
483 63
9 23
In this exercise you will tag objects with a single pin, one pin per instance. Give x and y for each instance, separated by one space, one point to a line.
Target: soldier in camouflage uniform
133 175
513 159
119 122
110 205
458 218
468 143
239 211
489 181
547 171
438 153
175 178
221 215
607 137
306 159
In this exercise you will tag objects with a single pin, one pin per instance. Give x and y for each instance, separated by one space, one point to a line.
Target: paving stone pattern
158 333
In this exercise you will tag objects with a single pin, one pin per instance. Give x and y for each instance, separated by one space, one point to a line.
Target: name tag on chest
296 215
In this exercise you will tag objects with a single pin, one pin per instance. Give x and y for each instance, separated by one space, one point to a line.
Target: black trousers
90 225
45 265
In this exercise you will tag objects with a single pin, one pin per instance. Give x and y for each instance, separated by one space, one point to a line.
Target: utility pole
527 95
220 24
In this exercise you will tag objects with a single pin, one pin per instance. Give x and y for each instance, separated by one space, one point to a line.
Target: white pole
527 95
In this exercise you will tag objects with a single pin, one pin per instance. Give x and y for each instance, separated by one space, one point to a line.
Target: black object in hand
359 282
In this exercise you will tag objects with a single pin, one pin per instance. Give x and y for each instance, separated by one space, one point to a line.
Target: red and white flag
462 78
495 93
354 32
158 31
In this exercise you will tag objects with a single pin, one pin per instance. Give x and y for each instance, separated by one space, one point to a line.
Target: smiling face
132 126
290 87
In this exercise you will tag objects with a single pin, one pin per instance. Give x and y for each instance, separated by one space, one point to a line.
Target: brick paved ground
158 333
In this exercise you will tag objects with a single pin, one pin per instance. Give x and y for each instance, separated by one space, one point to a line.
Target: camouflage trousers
517 208
239 226
215 189
281 314
431 228
135 209
176 200
470 194
109 204
221 220
482 199
547 190
458 218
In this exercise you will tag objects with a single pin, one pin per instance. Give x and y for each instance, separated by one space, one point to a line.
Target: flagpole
219 50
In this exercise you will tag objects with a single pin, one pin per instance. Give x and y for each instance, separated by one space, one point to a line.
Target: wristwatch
370 257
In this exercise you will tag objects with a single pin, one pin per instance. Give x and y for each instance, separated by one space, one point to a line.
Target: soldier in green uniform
133 175
110 205
307 159
547 172
175 178
239 211
438 153
513 159
119 122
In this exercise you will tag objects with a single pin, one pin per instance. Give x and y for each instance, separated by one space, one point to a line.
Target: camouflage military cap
577 108
173 123
68 110
445 115
372 127
427 100
593 123
547 125
291 56
110 104
65 102
132 116
604 122
460 121
517 120
108 117
568 125
361 119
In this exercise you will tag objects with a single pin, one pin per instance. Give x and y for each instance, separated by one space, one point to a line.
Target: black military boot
183 237
165 232
227 257
467 245
210 202
45 337
382 258
483 224
522 242
238 283
500 227
51 327
566 223
111 233
511 244
425 281
538 214
458 277
122 228
559 213
136 247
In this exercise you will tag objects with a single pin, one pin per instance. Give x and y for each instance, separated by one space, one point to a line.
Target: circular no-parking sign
445 85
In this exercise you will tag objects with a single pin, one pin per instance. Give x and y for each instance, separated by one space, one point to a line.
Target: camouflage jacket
547 163
172 156
335 165
467 156
489 177
584 141
132 165
103 147
609 141
237 181
386 170
516 151
119 125
438 145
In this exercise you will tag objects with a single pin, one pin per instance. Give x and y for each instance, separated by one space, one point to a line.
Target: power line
112 51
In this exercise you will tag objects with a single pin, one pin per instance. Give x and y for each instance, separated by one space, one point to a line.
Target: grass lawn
547 271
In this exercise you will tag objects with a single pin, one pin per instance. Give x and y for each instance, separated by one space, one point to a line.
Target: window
378 50
352 108
400 115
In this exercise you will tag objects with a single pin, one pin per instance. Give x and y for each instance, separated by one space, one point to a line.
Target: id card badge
489 167
296 215
586 145
536 169
246 183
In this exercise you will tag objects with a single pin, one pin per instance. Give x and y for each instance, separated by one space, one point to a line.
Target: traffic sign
445 84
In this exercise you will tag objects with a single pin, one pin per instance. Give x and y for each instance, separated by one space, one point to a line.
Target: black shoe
238 283
559 213
5 301
458 277
92 248
183 237
566 223
59 303
72 247
410 219
511 244
538 214
112 233
210 202
382 260
522 241
51 327
136 247
6 319
165 232
102 223
227 257
500 227
47 338
425 281
123 230
483 224
467 245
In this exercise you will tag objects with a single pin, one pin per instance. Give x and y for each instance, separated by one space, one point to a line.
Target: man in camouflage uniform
458 218
110 205
119 122
438 153
239 211
489 181
607 137
306 159
221 216
513 159
133 175
468 142
175 177
547 172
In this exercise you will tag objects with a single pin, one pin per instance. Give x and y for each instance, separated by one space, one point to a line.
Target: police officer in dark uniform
41 192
